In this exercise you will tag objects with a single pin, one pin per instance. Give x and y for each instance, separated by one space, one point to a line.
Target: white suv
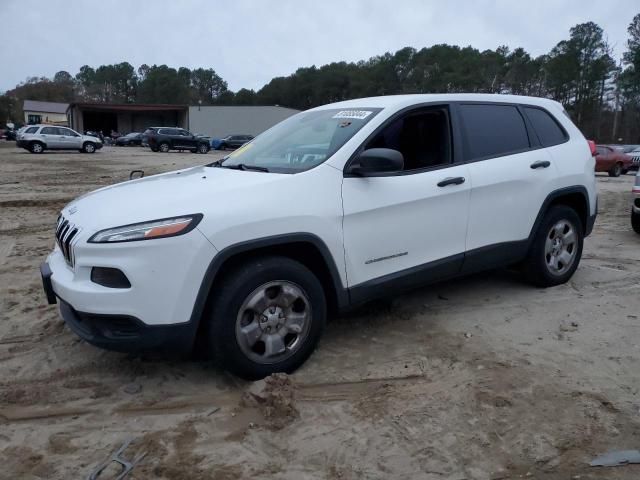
331 208
38 138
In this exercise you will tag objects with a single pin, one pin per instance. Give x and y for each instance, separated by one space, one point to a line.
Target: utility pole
617 104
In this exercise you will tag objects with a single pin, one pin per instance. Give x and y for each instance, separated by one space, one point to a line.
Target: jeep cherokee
331 208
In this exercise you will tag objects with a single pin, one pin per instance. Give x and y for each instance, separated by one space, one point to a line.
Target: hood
182 192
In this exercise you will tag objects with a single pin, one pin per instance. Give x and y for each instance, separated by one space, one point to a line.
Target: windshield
302 141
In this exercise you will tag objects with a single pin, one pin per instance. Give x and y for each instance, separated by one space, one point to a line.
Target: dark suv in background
164 139
233 141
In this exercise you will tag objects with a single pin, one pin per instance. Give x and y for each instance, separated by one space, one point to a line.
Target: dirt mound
274 396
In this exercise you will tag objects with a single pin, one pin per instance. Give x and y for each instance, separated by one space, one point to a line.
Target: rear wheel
635 221
616 170
556 249
164 147
267 316
36 147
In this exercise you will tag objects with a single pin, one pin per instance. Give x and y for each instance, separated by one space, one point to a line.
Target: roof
46 107
135 107
400 101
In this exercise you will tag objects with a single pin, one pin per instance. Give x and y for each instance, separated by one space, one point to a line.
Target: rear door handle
540 164
451 181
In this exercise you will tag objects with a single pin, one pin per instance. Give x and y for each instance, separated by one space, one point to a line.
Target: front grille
636 160
65 234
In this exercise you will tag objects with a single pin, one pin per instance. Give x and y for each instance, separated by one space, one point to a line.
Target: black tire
154 149
89 147
234 289
203 148
222 146
535 265
164 147
616 170
635 221
36 147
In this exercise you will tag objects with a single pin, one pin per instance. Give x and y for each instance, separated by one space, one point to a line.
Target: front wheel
88 147
164 147
267 316
203 148
635 221
556 249
616 170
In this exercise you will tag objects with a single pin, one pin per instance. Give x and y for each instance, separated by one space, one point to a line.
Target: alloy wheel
561 247
273 322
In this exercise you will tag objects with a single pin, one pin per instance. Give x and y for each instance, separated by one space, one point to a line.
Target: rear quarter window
547 129
493 130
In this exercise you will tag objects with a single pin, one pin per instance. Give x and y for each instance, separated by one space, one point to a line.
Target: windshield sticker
357 114
243 148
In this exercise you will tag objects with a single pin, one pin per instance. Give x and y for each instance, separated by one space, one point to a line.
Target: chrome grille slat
66 232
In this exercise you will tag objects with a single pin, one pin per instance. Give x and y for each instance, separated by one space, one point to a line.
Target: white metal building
218 122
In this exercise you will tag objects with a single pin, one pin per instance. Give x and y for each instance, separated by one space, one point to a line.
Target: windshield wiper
244 166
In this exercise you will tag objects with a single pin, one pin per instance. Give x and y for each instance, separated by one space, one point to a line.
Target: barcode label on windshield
357 114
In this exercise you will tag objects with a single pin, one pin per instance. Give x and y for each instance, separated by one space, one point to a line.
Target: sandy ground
481 378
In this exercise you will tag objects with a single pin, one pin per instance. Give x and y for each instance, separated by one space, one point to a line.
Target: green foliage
579 72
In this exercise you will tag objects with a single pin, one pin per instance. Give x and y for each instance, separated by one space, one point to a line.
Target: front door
69 139
410 227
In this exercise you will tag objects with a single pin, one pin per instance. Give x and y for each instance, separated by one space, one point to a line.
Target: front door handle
451 181
540 164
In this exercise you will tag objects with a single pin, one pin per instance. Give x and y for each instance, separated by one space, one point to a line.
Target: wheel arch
305 248
575 197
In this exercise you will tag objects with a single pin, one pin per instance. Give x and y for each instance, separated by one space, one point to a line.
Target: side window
546 127
185 133
423 137
601 151
49 131
68 132
31 130
493 130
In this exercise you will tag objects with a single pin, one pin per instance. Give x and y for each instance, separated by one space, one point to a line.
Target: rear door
51 137
511 176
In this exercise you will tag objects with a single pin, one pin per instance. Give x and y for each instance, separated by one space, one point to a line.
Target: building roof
45 107
132 107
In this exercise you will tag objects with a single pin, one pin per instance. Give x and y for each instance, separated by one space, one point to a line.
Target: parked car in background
230 141
635 159
163 139
333 207
38 138
133 138
612 161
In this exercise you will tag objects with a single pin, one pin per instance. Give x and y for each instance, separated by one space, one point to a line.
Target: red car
612 161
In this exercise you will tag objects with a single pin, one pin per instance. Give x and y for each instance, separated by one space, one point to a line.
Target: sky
248 42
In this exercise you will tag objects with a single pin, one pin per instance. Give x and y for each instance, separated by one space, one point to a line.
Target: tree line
601 96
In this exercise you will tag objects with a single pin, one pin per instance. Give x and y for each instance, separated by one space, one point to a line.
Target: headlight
165 227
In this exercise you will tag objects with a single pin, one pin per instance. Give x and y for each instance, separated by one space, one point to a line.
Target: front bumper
121 333
155 311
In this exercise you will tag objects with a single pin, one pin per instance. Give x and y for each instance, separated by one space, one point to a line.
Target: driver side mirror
377 160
